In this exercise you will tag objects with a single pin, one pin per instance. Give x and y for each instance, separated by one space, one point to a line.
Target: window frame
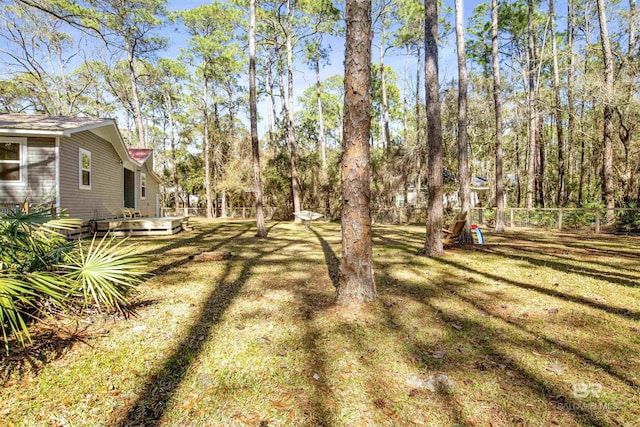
22 142
81 169
143 187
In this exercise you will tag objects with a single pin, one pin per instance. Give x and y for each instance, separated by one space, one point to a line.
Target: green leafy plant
38 263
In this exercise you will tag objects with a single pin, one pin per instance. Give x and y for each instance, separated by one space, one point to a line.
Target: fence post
597 220
560 214
186 211
511 217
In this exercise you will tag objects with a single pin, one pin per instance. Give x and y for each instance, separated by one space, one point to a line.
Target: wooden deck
142 226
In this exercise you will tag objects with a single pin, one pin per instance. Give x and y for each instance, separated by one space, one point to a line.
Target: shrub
38 263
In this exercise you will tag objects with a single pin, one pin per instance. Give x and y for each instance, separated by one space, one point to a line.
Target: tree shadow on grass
153 402
183 240
615 278
177 263
333 263
550 292
483 339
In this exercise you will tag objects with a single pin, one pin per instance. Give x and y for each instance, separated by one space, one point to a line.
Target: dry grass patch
531 329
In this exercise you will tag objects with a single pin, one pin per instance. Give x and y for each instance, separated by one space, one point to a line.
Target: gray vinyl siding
41 170
105 198
40 183
147 207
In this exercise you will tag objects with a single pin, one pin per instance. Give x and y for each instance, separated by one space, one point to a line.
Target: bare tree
257 182
356 283
433 239
497 102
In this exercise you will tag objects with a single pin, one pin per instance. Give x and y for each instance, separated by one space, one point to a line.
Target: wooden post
597 230
511 218
186 211
560 214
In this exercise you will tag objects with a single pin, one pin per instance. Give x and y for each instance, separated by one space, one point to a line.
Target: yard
534 328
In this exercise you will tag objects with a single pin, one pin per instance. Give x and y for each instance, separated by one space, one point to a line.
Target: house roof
58 125
140 154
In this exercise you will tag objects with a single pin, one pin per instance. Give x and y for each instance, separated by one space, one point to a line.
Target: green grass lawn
532 329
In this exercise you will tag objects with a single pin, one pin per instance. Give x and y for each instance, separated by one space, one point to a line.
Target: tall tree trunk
137 109
356 281
295 183
609 191
207 149
497 102
321 136
284 111
271 108
463 148
583 149
560 199
253 113
217 157
433 238
405 101
172 139
540 161
531 165
571 122
383 87
418 113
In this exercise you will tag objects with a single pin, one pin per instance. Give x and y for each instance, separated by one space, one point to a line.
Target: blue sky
304 77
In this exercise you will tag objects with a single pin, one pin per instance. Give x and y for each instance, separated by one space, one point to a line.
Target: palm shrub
39 264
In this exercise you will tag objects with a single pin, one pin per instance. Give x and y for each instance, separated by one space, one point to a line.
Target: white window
13 160
143 185
85 169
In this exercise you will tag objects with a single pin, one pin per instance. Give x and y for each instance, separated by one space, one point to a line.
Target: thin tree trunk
463 148
495 63
541 161
137 110
172 139
383 87
356 281
418 114
571 123
271 112
433 238
284 111
207 149
583 148
295 183
608 185
405 101
321 136
531 166
255 146
632 31
560 200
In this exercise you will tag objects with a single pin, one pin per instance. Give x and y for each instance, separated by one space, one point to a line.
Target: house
479 193
79 164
